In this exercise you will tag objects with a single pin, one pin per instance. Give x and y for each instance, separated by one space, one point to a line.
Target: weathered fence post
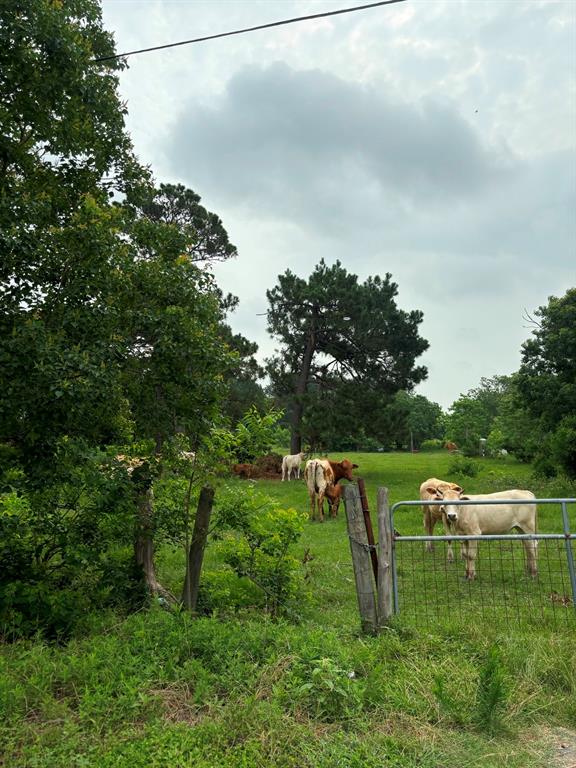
196 553
385 601
360 551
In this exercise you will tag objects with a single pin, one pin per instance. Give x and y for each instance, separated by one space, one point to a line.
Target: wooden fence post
360 551
385 598
196 553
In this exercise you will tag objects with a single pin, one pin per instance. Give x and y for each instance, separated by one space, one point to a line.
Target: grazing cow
292 464
432 513
477 519
319 475
243 470
451 447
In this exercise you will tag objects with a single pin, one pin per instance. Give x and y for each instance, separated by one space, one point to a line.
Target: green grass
241 691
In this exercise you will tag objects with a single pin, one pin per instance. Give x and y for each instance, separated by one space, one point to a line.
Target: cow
432 513
243 470
291 464
477 519
319 475
450 447
334 495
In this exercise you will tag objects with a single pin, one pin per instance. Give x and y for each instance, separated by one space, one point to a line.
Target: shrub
328 693
462 465
257 534
431 445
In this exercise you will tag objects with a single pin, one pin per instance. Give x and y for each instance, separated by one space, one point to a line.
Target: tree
176 205
546 380
424 419
110 331
472 416
63 151
547 375
344 344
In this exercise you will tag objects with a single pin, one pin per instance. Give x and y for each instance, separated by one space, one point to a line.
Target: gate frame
567 536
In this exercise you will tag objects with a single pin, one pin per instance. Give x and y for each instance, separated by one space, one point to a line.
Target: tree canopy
346 347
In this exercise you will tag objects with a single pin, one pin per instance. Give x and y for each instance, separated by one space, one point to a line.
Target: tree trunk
302 386
144 544
196 553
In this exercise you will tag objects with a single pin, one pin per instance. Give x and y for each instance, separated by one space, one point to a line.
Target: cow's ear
354 466
457 489
465 498
431 490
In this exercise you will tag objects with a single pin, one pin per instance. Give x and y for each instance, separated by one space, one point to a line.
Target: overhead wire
249 29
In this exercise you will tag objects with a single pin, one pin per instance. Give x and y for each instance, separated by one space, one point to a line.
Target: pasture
238 690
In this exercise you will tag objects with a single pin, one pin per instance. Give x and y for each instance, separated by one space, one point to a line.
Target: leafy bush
563 444
328 693
65 547
431 445
256 536
464 466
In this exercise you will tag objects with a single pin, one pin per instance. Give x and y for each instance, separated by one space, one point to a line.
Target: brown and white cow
323 474
432 513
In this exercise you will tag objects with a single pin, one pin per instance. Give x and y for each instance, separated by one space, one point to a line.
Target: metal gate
428 588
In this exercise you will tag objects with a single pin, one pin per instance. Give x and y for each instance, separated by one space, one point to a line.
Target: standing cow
432 513
321 476
291 464
478 519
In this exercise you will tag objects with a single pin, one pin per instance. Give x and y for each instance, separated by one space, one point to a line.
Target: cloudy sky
434 140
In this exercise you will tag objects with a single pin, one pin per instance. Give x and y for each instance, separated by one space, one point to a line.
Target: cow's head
450 496
347 468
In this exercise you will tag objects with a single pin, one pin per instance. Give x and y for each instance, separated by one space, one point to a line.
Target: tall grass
237 690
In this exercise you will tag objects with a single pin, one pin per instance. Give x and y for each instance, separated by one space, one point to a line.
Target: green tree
547 377
342 342
472 416
63 152
424 419
109 329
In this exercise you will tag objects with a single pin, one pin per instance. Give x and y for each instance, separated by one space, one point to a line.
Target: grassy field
239 690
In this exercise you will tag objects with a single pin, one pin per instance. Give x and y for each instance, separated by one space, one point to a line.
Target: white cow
477 519
292 464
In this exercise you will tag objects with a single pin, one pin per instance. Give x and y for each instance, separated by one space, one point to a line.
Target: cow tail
318 468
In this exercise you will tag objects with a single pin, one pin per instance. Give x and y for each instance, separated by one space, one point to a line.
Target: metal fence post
385 599
361 560
569 554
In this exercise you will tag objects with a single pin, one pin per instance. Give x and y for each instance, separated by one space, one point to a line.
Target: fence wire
431 590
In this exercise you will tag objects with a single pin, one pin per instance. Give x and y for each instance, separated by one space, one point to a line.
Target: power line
249 29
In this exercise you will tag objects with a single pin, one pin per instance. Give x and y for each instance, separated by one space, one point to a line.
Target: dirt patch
562 748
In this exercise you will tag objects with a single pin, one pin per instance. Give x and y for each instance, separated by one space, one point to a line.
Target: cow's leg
312 505
321 507
531 557
449 551
428 528
283 471
470 555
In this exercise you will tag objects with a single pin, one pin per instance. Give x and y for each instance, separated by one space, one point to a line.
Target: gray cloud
276 128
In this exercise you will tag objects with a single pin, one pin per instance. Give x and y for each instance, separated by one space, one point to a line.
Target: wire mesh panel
428 589
431 590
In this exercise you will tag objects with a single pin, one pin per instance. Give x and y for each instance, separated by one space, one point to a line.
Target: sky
432 139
